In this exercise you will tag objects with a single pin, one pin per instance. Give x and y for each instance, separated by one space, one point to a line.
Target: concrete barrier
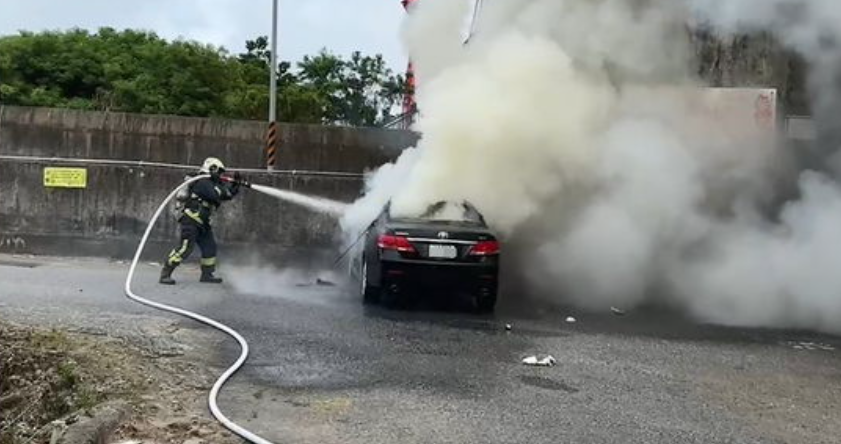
51 132
108 217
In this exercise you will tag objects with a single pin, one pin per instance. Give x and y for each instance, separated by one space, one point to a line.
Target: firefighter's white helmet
212 165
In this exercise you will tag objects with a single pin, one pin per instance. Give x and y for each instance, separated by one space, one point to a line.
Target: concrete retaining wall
184 140
109 216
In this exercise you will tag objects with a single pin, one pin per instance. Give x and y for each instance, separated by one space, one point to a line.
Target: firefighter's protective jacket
203 197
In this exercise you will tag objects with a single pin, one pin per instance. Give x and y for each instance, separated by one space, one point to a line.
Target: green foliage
361 91
68 376
135 71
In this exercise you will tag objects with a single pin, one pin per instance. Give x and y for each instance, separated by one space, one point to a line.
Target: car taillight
395 243
485 248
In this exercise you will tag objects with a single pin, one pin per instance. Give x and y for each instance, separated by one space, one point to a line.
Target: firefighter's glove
241 181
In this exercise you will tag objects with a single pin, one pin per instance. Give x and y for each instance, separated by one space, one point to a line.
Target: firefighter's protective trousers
193 234
205 196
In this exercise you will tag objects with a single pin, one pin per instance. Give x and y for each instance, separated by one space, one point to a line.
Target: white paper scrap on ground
547 361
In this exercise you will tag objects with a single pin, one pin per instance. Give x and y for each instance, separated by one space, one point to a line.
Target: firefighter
196 205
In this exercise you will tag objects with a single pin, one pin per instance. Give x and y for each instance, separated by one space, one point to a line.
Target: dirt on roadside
51 380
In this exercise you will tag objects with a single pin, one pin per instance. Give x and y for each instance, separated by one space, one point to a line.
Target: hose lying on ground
214 392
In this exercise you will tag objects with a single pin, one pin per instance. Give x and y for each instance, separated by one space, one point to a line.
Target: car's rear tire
370 293
485 303
392 299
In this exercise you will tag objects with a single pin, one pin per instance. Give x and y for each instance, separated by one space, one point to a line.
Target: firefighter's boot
166 275
207 275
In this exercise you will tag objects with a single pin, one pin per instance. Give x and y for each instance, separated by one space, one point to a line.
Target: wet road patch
548 384
18 264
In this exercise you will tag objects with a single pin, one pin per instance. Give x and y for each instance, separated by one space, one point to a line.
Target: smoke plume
809 27
579 130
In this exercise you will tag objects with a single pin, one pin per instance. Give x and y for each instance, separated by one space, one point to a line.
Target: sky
342 26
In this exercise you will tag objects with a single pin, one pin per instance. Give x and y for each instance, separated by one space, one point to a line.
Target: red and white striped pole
271 134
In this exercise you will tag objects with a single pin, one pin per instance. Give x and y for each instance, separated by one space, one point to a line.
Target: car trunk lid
444 242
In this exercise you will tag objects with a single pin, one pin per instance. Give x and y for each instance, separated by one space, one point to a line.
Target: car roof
466 204
442 202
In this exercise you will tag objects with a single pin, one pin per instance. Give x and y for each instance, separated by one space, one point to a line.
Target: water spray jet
318 204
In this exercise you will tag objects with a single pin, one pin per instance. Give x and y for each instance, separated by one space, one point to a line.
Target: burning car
448 249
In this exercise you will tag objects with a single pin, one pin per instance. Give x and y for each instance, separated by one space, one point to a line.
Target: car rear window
452 212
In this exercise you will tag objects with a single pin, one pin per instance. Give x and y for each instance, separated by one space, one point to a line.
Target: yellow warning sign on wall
65 177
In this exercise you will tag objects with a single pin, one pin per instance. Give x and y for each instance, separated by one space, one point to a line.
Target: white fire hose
214 392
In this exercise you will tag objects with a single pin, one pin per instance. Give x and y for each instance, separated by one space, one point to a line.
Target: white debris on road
810 346
547 361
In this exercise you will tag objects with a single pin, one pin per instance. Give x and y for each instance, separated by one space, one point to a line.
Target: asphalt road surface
325 369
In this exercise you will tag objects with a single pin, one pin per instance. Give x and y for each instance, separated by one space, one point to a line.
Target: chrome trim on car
441 241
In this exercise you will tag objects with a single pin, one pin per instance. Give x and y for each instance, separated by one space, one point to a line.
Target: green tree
361 91
296 103
137 71
110 70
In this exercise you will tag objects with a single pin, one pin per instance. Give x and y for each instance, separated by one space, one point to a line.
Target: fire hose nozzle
237 180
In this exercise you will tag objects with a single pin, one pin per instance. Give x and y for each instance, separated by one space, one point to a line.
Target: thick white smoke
577 128
809 27
775 274
780 274
380 187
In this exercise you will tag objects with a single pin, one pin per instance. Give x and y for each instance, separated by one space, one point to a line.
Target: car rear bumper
425 275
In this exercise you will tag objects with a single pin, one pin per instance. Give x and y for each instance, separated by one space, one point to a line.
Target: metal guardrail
403 121
142 163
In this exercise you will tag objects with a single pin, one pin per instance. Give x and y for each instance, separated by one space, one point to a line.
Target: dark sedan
449 249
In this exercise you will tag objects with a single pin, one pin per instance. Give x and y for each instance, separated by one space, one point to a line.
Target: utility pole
271 137
410 107
477 12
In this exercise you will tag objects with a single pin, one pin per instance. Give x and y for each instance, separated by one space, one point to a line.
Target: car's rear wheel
370 293
392 298
485 302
